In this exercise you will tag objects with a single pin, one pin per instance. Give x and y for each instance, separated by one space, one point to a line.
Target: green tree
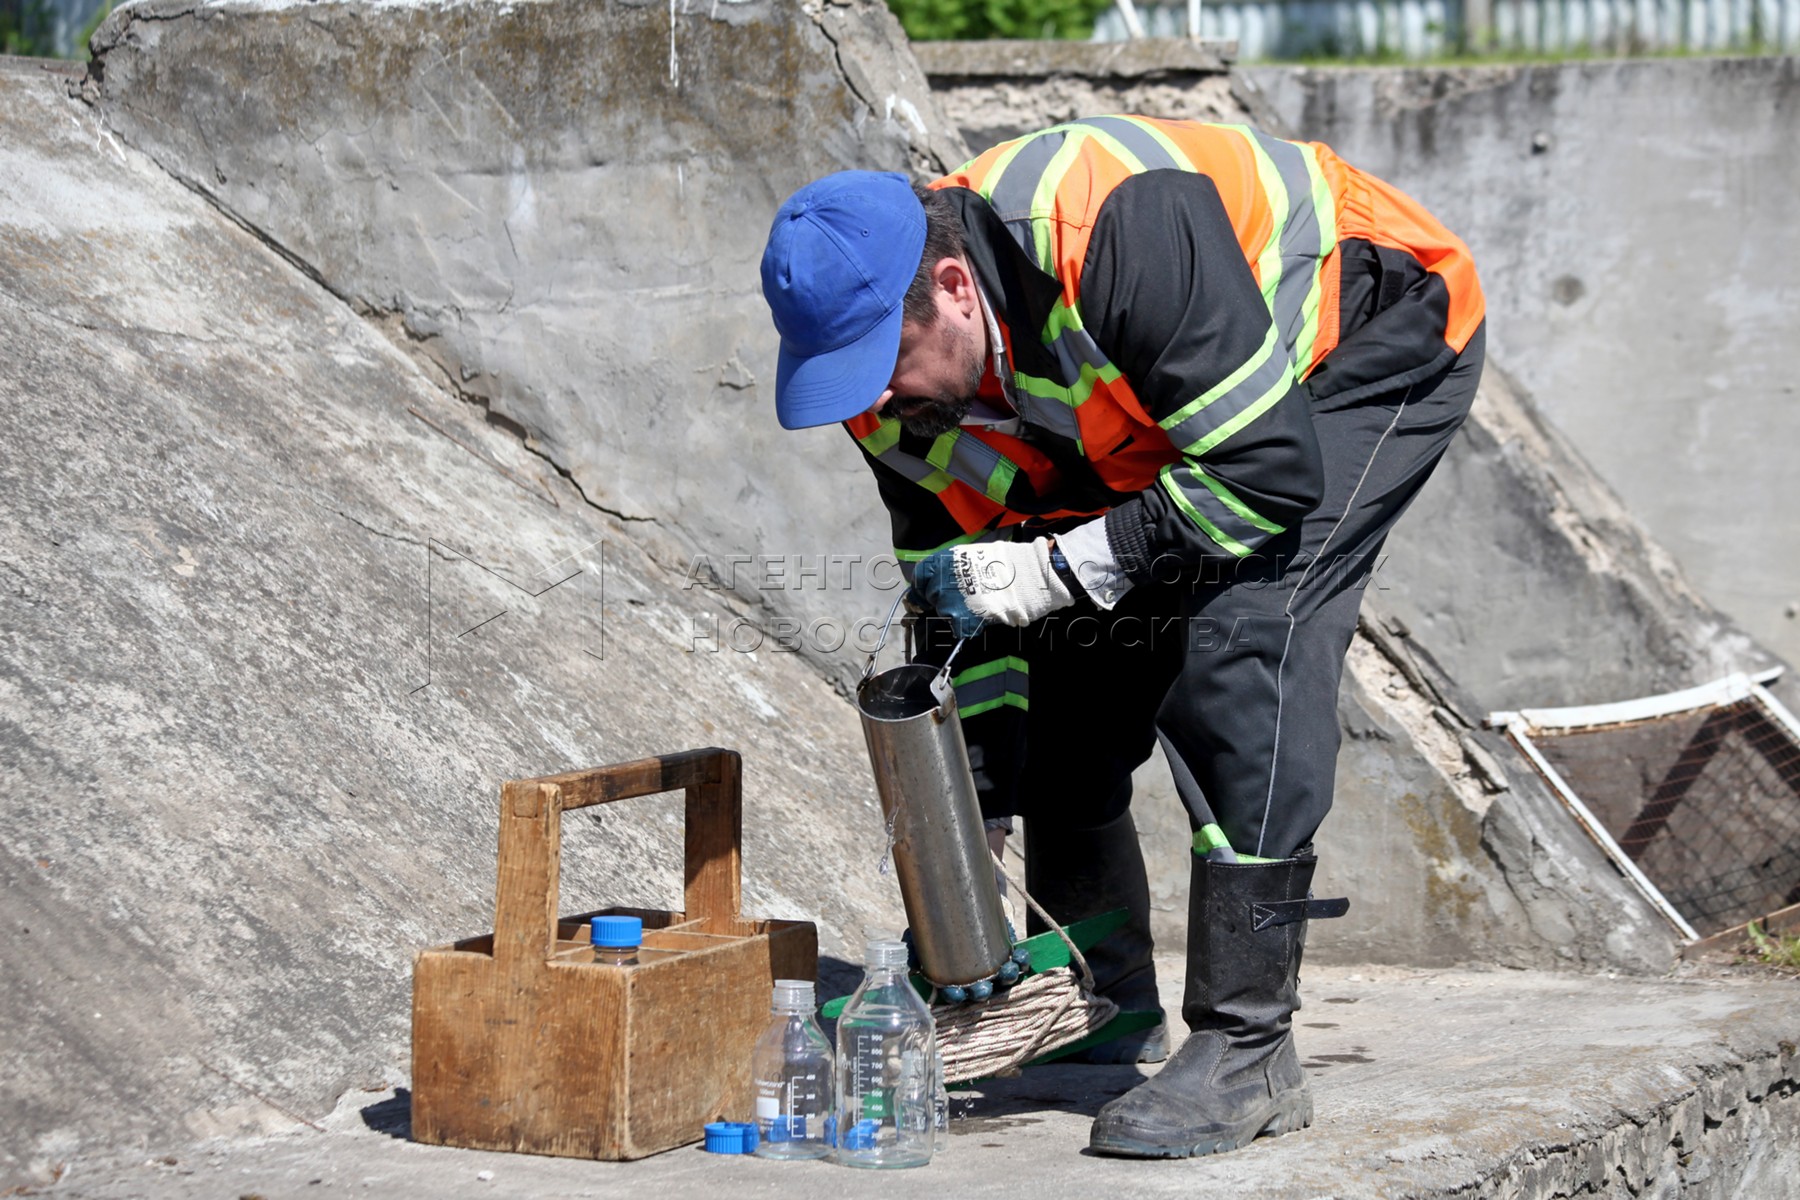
17 19
943 20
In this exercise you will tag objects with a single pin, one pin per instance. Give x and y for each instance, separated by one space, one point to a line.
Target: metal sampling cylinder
928 799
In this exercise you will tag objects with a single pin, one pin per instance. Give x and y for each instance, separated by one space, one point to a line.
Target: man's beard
934 416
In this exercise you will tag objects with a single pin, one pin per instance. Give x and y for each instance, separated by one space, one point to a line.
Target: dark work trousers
1237 672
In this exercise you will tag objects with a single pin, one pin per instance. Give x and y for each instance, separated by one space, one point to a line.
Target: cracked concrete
397 287
234 811
443 180
1428 1085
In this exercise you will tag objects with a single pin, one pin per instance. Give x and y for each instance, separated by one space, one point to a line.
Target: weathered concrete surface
340 160
1491 1084
995 91
1634 226
233 810
562 204
1533 584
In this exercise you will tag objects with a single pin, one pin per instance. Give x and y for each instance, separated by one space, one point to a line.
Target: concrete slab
1464 1083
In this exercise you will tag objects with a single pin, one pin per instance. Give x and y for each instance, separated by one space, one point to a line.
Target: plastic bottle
792 1070
887 1068
616 940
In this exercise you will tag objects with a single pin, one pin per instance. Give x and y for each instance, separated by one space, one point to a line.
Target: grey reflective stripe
975 462
993 687
1300 243
1047 412
1272 373
911 466
1232 529
1074 349
1135 138
1017 186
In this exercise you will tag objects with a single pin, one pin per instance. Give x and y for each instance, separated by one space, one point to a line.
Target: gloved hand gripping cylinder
928 799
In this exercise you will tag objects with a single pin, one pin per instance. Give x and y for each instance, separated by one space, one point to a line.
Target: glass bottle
940 1107
616 940
887 1068
792 1070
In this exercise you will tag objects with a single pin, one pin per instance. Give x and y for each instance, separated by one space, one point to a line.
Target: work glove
1008 582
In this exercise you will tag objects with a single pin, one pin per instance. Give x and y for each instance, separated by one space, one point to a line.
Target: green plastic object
1048 952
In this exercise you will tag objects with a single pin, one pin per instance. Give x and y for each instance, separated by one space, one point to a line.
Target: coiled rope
1042 1012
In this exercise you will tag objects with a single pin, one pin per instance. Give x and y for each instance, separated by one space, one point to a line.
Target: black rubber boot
1080 873
1237 1075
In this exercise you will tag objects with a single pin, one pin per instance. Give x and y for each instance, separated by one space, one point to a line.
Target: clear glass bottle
887 1068
792 1070
940 1107
616 940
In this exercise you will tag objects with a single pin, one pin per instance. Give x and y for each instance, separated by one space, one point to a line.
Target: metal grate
1695 794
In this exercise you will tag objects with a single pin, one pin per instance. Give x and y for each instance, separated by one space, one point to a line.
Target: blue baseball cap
840 257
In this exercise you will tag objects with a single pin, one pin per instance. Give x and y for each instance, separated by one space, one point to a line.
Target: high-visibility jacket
1173 298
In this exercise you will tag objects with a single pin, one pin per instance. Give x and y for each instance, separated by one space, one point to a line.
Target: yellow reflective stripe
1276 391
1001 480
999 168
1114 146
1230 500
1008 663
1226 385
1182 161
1326 206
883 439
1061 317
1230 544
1075 396
1268 262
1043 201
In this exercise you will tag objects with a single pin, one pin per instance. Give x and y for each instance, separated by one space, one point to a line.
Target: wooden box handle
531 841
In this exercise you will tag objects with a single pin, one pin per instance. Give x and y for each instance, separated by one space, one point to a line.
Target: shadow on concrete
392 1116
996 1105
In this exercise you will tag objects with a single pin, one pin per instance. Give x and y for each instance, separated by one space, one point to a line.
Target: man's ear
954 278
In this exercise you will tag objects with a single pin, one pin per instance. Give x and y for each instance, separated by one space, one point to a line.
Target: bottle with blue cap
888 1072
792 1070
616 940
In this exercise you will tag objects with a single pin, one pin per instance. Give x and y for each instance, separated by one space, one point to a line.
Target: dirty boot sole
1284 1114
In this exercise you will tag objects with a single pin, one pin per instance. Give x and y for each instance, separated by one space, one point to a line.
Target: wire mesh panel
1704 801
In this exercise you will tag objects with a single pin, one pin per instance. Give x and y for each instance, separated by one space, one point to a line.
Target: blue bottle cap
731 1137
862 1135
617 932
788 1129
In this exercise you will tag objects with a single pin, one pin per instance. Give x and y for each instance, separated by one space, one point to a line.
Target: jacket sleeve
921 523
1168 296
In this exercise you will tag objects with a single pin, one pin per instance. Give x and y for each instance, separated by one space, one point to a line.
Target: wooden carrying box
522 1042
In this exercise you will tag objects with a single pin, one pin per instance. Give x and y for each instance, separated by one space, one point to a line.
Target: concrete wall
561 208
1634 226
252 735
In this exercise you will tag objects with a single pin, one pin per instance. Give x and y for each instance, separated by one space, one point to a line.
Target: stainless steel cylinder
928 798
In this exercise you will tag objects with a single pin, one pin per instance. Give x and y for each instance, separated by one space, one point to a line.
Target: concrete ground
1427 1083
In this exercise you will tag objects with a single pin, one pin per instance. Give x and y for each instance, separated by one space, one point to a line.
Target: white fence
1413 29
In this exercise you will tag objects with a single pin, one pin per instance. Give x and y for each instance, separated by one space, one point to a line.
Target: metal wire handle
943 671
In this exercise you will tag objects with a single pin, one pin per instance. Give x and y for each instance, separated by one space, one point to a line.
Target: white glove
1010 582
